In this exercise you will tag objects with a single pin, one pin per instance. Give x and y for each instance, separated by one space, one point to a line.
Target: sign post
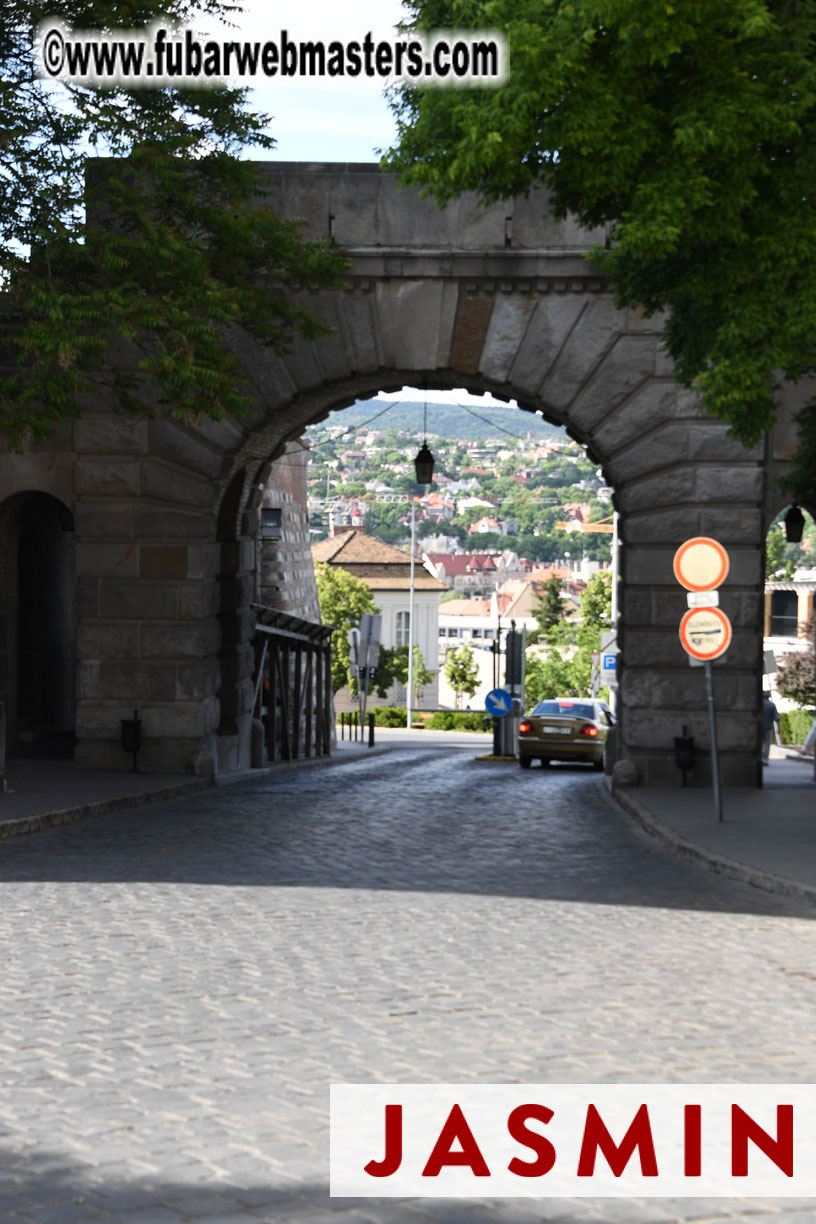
700 565
369 654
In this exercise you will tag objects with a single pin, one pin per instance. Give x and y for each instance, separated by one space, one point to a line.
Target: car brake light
589 730
524 727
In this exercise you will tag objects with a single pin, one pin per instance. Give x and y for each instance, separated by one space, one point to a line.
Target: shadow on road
424 821
50 1187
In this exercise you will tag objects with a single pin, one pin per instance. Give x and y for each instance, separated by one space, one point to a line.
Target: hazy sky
332 120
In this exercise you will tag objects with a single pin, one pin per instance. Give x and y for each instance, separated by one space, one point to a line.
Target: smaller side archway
38 621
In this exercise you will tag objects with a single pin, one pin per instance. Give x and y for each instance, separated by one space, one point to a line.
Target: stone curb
48 820
701 856
342 758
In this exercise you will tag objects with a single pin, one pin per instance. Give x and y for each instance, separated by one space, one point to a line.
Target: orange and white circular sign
701 564
705 633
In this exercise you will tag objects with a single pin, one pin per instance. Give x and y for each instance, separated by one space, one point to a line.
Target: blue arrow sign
498 702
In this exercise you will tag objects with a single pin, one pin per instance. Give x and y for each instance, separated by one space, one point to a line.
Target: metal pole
523 663
408 710
363 693
712 725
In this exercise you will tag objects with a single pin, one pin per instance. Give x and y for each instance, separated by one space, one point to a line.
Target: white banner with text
573 1140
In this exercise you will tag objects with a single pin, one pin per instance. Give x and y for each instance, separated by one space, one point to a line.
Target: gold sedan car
565 729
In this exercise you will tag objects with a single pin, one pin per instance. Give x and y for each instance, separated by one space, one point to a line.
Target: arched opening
38 619
789 651
516 505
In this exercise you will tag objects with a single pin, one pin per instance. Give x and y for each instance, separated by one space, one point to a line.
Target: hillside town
506 514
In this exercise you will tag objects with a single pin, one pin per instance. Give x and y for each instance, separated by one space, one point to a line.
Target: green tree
548 609
553 675
686 130
343 599
420 676
774 552
461 672
796 671
596 601
178 245
795 677
566 669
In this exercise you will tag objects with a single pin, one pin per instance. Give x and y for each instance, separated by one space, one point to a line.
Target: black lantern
132 736
424 464
794 521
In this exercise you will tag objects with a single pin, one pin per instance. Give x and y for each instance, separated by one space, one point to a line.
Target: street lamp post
408 709
424 467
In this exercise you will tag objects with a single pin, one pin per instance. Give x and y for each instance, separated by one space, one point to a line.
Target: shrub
390 716
458 720
794 726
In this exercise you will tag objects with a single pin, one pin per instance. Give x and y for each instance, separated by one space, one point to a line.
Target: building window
784 614
403 628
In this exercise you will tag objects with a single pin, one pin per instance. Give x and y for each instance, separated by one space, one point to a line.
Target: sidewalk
767 837
55 791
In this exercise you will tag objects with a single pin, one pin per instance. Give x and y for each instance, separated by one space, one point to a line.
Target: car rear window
575 709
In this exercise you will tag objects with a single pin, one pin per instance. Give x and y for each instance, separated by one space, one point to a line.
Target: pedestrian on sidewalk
770 716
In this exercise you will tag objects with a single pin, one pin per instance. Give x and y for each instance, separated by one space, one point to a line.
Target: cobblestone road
180 984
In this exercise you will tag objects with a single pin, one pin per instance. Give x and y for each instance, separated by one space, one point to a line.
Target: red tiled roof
464 563
380 565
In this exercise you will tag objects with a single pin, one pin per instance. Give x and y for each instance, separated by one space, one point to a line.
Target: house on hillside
476 574
484 525
386 571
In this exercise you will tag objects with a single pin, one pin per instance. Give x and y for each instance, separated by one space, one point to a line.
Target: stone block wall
166 514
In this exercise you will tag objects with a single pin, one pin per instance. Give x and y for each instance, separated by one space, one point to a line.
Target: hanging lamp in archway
794 521
424 462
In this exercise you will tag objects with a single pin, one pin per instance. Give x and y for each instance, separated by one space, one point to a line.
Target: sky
338 121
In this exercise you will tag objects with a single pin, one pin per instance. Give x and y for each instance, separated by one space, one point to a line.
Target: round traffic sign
701 564
498 702
705 633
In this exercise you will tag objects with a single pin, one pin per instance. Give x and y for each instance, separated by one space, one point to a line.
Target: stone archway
498 299
38 621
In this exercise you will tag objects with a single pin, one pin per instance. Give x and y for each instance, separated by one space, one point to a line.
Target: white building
387 572
479 624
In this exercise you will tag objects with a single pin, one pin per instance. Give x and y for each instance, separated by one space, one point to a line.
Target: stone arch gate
497 299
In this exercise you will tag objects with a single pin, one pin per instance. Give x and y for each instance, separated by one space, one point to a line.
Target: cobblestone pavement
181 983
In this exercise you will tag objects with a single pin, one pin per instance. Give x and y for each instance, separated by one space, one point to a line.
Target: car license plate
552 730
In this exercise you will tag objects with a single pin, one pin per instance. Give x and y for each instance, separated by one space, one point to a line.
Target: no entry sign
705 633
701 564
